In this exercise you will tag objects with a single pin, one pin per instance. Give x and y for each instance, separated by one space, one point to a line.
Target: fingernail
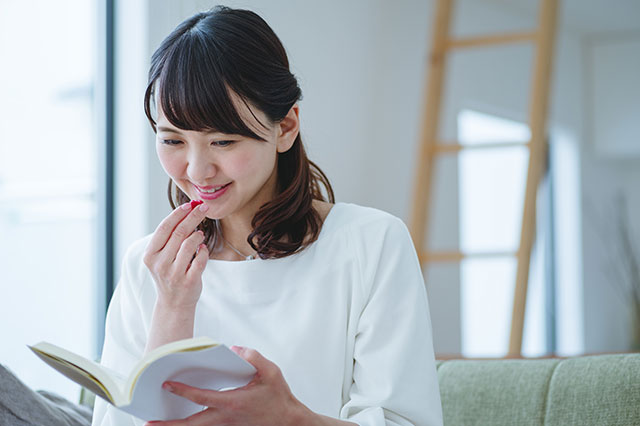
167 386
195 203
186 206
203 207
237 349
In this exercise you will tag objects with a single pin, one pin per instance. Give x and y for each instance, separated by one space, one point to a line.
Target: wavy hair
191 76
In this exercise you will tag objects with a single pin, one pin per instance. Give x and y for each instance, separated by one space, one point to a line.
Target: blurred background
79 179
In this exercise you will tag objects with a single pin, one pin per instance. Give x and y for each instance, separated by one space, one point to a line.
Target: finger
255 358
188 250
205 397
163 231
183 230
199 262
207 417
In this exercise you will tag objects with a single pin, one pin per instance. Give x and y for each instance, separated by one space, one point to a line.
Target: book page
82 371
192 344
214 368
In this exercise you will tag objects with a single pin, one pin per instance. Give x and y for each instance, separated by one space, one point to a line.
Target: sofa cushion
21 406
495 392
601 390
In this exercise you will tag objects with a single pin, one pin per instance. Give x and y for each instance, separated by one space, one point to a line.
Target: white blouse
346 320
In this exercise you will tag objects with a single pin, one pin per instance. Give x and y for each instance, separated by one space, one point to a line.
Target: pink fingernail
204 207
186 206
237 349
167 386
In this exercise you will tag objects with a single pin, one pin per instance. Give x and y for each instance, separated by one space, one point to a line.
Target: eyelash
221 144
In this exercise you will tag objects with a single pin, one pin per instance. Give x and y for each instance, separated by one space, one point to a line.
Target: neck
235 234
236 227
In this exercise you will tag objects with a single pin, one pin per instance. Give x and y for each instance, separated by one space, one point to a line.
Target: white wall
361 67
611 168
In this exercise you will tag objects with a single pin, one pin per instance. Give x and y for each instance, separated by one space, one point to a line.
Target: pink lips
214 195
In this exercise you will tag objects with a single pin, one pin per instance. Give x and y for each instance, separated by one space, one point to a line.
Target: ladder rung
490 40
457 256
445 147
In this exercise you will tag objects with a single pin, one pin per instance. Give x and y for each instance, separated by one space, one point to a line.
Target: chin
214 216
216 212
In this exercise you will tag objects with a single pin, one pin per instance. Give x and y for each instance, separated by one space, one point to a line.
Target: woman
327 300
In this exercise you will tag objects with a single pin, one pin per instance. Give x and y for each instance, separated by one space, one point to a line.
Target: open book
198 362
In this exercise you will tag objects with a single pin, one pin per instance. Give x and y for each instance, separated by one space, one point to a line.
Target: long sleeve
357 290
125 337
394 373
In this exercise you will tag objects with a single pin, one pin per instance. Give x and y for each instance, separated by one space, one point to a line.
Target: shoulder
366 232
380 244
135 251
134 272
369 222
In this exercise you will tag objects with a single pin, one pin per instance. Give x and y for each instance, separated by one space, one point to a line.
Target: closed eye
221 144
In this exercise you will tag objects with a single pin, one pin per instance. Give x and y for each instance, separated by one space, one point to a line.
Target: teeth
211 191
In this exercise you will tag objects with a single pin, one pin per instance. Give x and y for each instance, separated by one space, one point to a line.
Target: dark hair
192 74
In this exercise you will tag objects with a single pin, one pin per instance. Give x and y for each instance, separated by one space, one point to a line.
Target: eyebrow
168 129
174 130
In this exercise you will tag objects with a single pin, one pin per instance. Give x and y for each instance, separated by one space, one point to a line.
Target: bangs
193 91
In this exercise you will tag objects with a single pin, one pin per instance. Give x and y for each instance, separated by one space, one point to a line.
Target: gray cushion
21 406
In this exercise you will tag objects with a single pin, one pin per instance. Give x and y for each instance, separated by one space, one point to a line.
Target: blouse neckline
327 221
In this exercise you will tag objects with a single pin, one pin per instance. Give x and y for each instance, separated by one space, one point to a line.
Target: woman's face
233 174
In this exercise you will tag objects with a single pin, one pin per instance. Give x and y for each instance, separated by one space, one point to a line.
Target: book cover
198 362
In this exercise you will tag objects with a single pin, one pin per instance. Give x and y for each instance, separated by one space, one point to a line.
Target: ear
288 129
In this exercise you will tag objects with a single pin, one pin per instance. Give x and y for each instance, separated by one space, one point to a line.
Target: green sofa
599 390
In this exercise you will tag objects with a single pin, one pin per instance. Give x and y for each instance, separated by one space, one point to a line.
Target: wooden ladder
430 145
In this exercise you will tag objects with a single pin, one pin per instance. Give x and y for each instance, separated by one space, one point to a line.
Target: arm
178 282
168 325
394 375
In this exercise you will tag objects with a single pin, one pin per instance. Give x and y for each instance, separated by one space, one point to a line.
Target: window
492 183
48 178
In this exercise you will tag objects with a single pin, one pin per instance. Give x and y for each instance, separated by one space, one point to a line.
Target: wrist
174 322
301 415
307 417
169 324
170 308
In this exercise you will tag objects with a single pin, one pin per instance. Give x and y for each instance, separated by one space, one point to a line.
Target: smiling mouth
212 193
212 190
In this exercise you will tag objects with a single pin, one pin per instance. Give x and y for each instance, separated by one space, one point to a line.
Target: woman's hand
177 274
266 400
169 257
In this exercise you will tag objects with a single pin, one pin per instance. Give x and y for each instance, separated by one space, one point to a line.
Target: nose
201 168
